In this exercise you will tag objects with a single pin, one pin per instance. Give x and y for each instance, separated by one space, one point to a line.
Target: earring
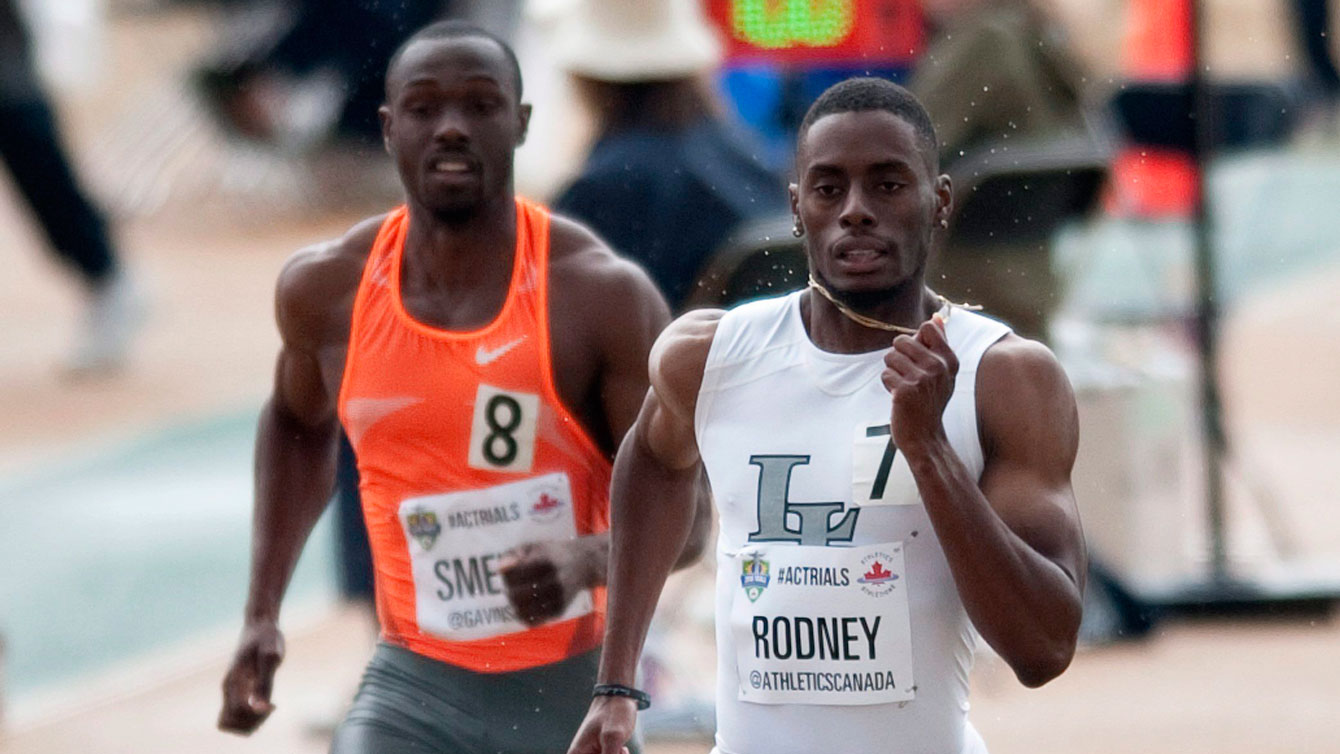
944 222
797 231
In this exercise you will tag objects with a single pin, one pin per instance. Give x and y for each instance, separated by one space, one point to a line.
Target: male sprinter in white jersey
879 496
485 359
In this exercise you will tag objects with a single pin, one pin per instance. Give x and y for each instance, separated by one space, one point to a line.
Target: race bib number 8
822 625
502 435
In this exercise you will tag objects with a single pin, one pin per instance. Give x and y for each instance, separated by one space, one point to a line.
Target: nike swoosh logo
486 356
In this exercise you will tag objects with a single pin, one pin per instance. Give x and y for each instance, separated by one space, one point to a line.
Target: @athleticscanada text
799 680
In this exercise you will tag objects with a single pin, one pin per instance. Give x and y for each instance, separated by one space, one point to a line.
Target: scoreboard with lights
880 33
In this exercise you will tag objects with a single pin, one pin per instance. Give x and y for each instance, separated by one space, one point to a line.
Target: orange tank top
463 448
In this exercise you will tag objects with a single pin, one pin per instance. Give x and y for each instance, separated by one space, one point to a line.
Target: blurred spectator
997 73
996 70
322 76
31 147
667 179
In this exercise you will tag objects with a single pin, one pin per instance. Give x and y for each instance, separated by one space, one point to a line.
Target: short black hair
863 94
456 29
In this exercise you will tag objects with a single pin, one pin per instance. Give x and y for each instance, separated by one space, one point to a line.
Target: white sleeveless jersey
838 625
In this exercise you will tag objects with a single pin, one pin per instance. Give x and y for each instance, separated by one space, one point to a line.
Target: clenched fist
920 373
607 727
246 688
542 578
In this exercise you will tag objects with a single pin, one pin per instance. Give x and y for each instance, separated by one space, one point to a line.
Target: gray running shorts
411 703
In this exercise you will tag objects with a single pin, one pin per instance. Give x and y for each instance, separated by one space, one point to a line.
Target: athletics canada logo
423 526
877 580
546 508
754 578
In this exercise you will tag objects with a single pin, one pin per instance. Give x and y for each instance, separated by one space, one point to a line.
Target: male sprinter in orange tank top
485 359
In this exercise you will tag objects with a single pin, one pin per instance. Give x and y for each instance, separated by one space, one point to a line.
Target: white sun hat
630 40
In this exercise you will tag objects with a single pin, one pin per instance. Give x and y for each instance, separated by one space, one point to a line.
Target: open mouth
859 255
452 166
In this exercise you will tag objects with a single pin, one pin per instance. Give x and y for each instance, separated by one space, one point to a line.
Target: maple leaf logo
546 504
877 574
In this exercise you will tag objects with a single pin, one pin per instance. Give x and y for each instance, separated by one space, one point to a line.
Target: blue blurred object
1313 22
667 198
1247 114
771 100
353 552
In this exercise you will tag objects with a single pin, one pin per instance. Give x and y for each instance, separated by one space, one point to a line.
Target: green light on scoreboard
777 24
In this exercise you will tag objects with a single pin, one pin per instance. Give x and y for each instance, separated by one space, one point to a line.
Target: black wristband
642 698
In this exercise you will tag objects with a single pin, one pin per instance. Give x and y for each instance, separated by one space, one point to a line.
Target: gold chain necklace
945 304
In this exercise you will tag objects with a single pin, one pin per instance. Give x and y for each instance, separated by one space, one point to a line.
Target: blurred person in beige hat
667 178
634 40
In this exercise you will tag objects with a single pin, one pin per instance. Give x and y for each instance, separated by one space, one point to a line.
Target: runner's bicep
667 435
300 392
628 346
307 322
679 361
1031 433
677 365
1040 509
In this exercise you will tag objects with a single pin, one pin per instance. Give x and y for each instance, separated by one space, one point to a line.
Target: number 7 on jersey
879 474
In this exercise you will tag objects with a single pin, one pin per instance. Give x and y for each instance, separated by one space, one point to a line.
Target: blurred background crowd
1146 185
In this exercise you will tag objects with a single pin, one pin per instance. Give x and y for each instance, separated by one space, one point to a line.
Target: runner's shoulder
1024 395
316 287
582 261
679 357
1015 361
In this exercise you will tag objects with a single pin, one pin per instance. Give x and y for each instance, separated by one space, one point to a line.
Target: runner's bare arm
624 386
294 468
624 314
1031 431
654 503
1014 543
